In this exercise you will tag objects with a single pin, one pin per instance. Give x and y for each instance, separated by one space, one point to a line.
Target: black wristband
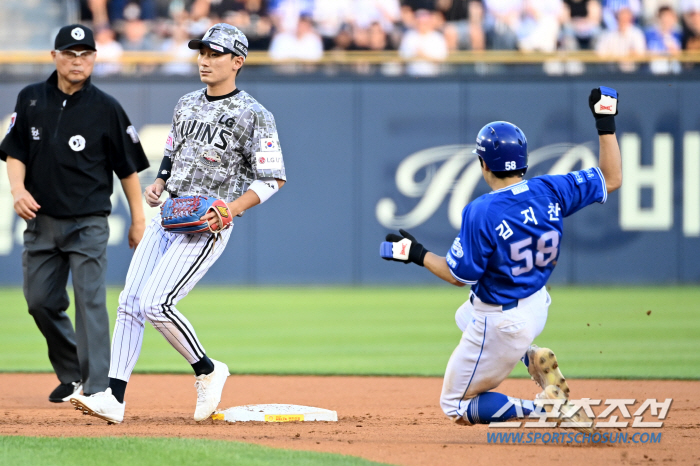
605 124
166 165
421 257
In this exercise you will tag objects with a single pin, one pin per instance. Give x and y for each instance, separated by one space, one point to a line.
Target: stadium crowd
418 29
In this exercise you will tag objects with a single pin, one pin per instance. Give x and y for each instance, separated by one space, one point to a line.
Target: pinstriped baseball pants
165 267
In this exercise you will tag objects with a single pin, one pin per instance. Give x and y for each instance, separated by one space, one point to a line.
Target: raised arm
603 103
610 162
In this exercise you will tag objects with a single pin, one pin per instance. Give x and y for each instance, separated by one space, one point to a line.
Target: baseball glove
183 214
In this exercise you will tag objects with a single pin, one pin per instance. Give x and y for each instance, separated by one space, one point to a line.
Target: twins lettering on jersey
207 133
217 146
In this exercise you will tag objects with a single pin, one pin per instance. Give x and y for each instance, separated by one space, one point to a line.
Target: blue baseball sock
483 408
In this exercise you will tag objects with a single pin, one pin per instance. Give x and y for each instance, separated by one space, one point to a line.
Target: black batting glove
603 103
402 248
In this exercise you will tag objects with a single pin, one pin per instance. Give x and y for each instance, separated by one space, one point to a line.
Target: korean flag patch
269 145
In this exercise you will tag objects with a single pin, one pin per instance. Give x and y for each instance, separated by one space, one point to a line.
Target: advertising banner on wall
367 157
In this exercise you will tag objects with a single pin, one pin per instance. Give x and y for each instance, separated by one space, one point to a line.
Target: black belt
505 307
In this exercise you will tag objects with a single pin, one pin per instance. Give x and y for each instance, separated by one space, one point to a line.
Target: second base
275 413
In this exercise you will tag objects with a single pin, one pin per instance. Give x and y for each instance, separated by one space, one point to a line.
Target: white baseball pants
165 267
492 343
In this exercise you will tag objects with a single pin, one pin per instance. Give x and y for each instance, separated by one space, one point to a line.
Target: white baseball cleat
102 404
570 416
544 368
209 388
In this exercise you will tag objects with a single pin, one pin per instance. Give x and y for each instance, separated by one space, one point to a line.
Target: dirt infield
388 419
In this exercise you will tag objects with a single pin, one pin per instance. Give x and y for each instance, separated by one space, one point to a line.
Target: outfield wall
365 156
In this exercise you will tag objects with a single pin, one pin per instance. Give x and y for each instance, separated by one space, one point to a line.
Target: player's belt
504 307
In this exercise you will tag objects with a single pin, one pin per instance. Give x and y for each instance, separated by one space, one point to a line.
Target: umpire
65 140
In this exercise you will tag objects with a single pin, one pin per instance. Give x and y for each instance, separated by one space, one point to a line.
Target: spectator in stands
384 12
540 25
408 18
181 55
256 26
611 7
502 23
343 40
135 31
423 43
625 42
330 16
464 29
109 51
118 9
285 14
97 13
664 38
582 21
304 45
360 38
650 9
691 24
377 40
217 10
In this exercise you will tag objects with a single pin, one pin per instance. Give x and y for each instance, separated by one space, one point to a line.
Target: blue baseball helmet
503 146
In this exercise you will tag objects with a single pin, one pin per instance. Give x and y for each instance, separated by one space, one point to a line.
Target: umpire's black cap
74 34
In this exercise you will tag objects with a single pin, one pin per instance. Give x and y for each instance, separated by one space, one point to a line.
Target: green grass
129 451
596 332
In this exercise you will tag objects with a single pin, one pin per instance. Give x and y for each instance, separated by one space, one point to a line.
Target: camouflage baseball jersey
218 148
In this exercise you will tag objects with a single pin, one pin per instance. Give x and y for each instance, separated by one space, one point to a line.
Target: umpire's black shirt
70 145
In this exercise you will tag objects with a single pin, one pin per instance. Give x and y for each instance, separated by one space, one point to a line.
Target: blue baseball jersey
509 242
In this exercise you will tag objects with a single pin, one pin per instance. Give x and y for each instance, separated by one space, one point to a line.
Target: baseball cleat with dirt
209 388
544 368
102 405
570 416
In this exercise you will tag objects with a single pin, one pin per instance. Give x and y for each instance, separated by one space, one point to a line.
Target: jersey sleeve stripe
605 189
468 282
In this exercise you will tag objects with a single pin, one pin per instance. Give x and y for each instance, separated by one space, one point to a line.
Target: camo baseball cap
223 38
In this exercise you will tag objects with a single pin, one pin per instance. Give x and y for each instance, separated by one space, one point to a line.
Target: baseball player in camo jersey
222 144
506 250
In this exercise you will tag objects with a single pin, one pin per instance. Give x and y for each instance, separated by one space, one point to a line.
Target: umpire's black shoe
64 391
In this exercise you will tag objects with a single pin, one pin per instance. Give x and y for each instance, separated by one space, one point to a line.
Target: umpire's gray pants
52 248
